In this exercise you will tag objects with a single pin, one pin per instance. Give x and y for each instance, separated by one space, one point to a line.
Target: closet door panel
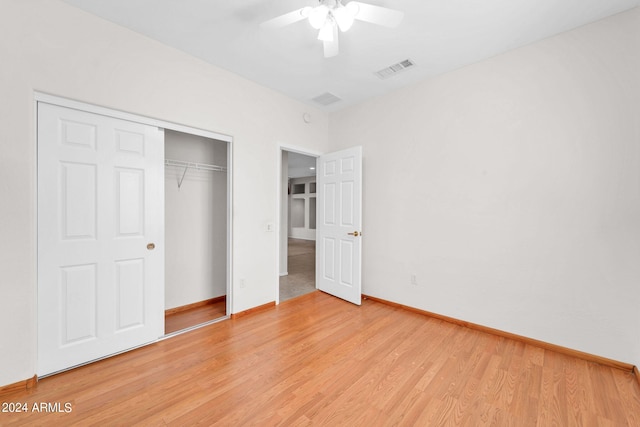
100 236
130 202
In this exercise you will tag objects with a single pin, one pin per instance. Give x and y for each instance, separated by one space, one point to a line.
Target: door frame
292 149
41 97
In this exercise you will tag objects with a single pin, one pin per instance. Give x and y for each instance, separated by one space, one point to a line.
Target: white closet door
100 236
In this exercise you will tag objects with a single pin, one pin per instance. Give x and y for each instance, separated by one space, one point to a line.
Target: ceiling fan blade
286 19
331 47
376 14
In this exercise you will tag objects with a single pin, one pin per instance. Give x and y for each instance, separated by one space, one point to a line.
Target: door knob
355 234
151 246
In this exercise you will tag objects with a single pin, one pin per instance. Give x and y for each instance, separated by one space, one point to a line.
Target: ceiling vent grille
385 73
326 99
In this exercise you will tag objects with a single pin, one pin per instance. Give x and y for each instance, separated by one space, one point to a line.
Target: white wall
48 46
195 221
511 189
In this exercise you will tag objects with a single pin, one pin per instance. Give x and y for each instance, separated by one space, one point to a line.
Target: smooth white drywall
511 190
49 46
195 221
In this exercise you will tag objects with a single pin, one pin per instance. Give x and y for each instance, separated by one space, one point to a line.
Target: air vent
385 73
326 99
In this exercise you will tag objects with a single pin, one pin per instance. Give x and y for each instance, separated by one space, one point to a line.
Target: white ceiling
301 165
438 35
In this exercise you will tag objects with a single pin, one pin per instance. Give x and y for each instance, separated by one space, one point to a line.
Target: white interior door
339 224
100 236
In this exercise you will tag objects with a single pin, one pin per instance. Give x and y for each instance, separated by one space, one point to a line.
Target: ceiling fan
331 15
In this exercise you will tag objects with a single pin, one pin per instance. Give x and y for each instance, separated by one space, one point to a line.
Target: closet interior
195 230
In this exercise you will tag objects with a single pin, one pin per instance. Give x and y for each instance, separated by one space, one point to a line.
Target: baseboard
254 310
547 346
194 305
19 386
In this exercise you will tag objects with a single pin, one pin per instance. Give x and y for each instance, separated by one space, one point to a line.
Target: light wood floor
194 316
318 360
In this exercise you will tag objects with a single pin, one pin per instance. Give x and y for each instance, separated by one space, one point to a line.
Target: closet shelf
198 166
193 165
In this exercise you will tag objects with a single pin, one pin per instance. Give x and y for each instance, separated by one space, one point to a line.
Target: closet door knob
151 246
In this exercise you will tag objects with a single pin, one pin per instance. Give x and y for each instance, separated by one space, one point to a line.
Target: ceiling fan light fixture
352 7
326 33
318 16
344 16
330 17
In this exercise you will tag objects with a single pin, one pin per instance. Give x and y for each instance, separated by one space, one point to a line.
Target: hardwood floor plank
628 387
184 317
322 361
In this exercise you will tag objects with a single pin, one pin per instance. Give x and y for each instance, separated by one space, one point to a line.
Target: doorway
297 225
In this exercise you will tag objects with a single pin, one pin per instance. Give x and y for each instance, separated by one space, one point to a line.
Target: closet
195 230
133 224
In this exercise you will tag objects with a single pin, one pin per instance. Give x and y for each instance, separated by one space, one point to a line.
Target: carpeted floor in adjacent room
301 267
